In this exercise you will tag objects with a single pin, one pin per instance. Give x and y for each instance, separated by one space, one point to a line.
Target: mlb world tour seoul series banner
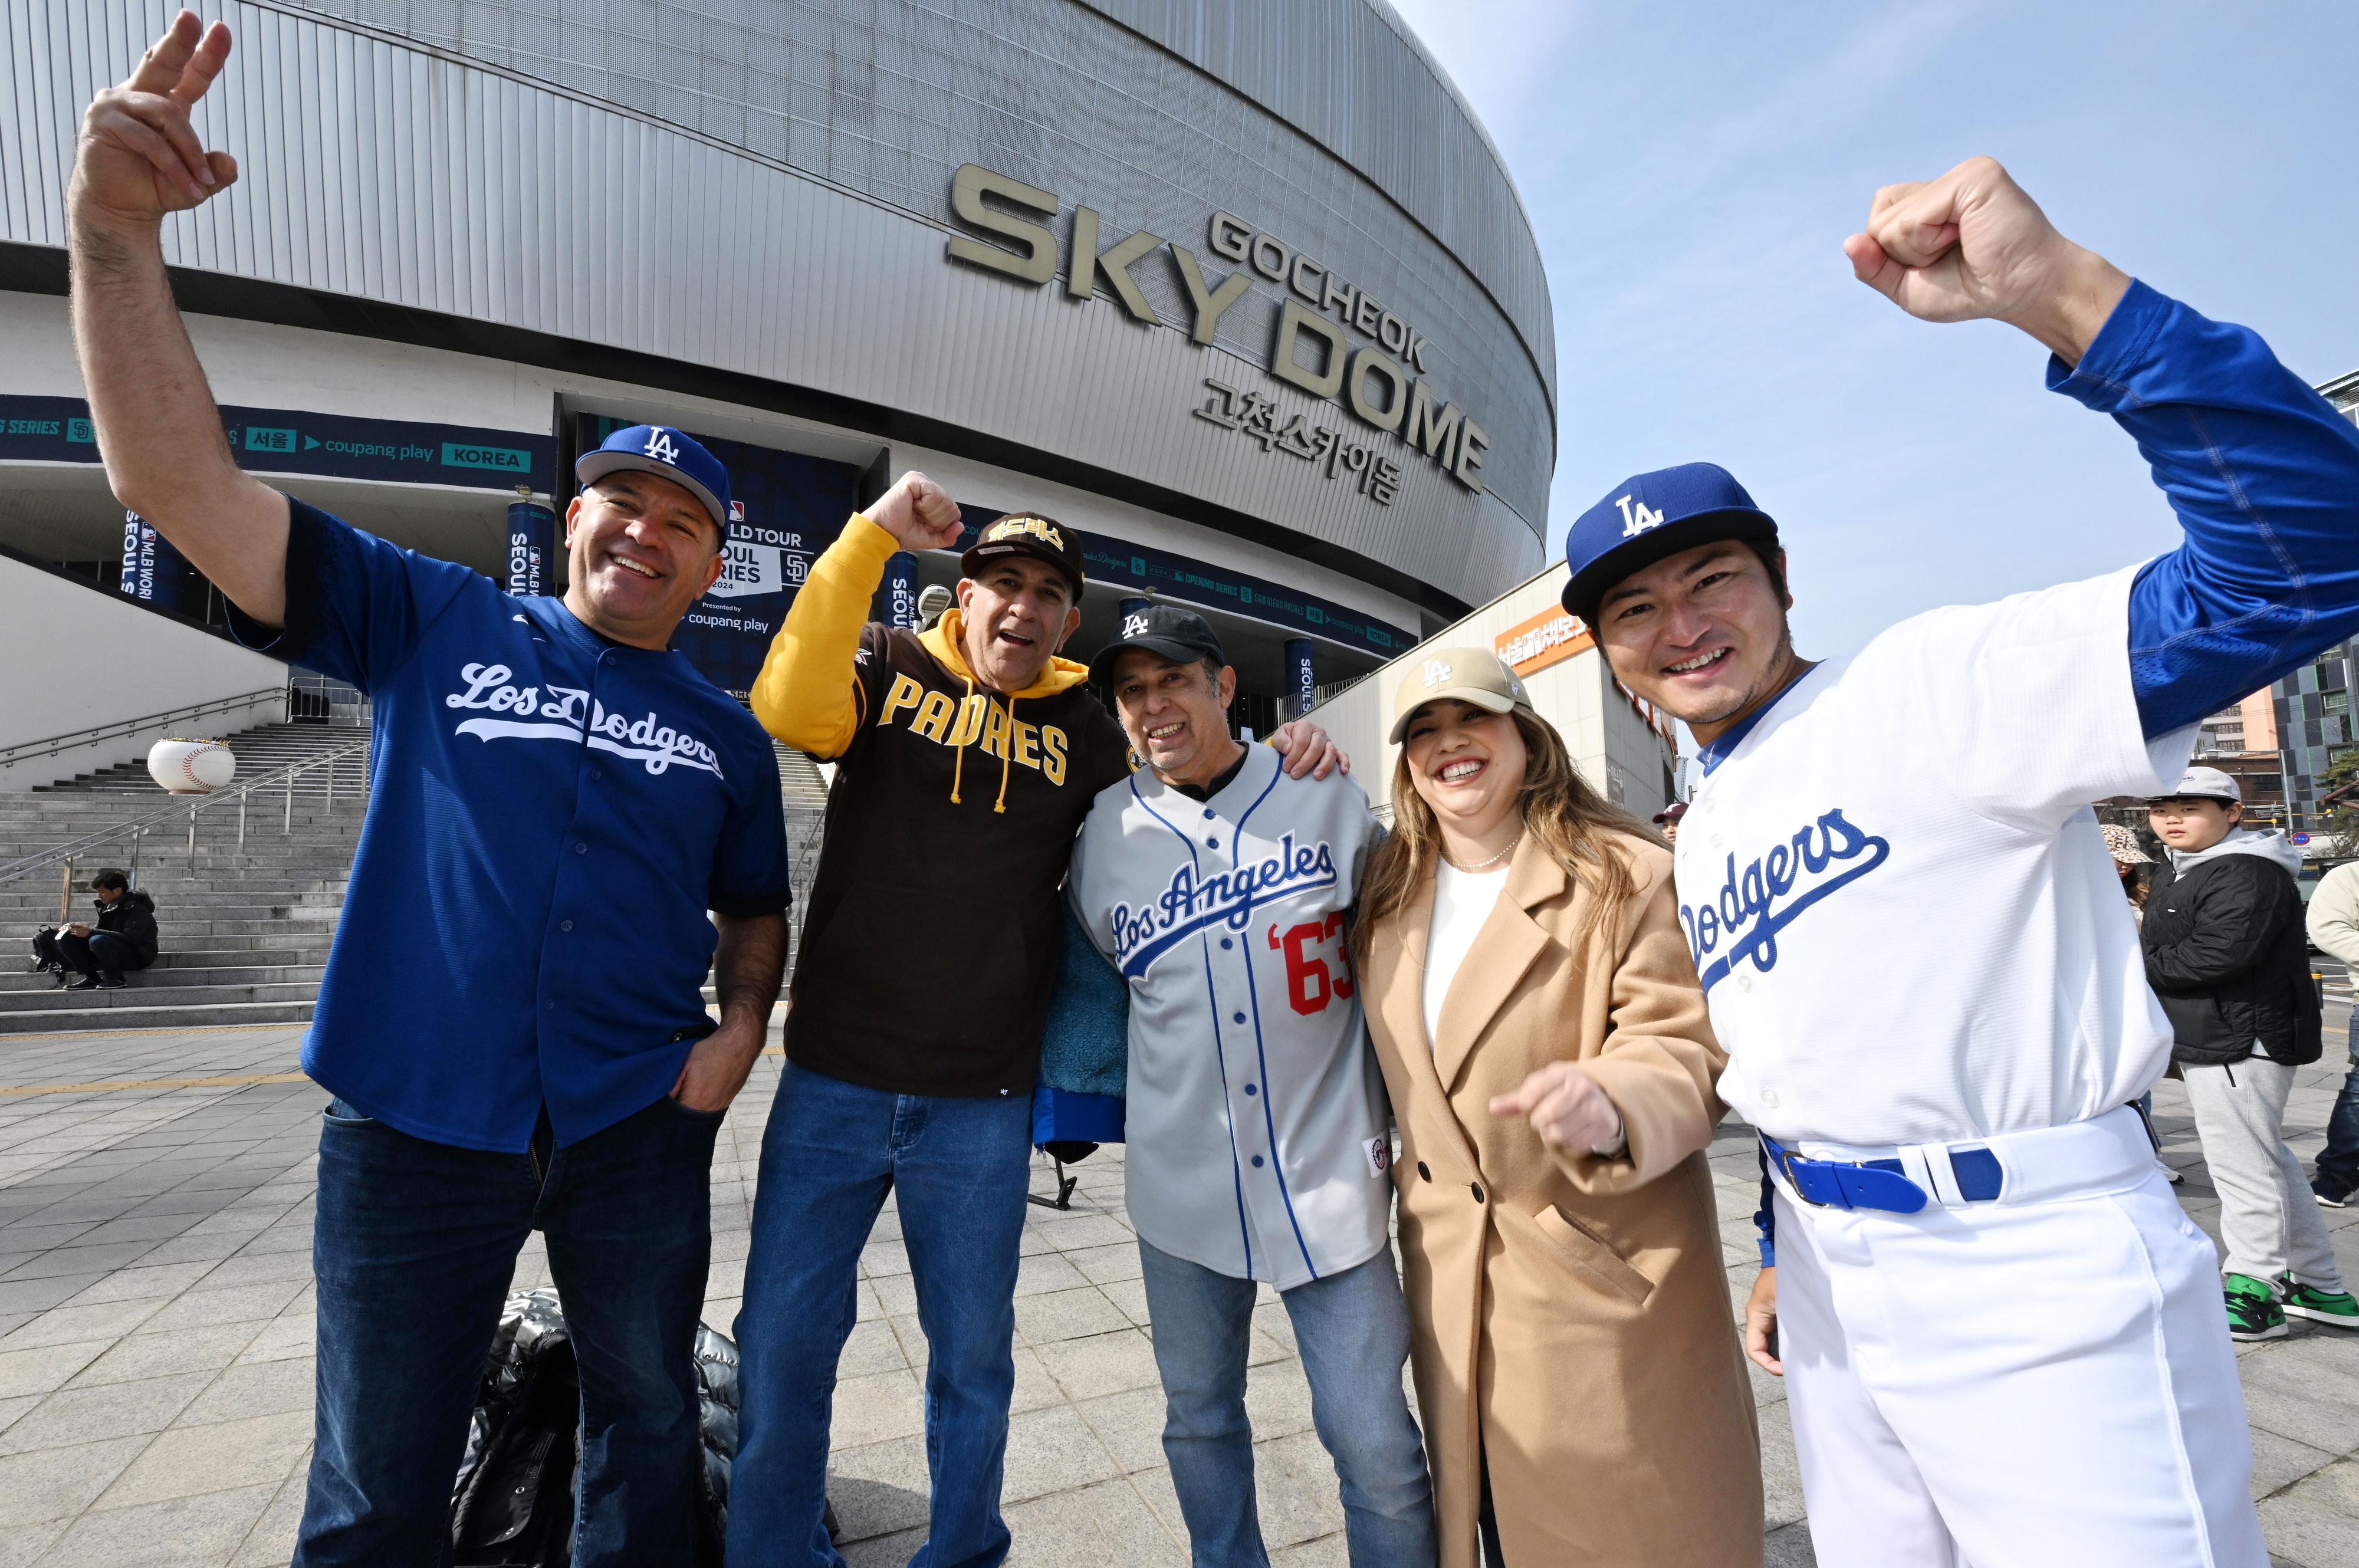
333 446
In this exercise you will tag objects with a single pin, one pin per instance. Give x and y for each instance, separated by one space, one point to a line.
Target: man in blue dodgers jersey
510 1021
1254 1117
2003 1340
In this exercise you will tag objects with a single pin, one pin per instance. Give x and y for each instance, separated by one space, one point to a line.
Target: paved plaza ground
156 1336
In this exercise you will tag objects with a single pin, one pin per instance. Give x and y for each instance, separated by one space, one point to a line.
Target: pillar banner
532 536
1302 677
153 571
901 590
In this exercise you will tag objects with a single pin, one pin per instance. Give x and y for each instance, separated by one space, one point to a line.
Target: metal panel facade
765 189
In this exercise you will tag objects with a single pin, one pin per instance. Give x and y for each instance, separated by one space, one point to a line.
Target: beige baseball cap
1471 675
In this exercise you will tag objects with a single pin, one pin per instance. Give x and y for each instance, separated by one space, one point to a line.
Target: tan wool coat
1571 1314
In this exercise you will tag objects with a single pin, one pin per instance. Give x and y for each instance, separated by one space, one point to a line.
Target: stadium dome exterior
1241 290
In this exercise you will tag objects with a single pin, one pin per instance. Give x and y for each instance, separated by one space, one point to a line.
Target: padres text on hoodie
932 934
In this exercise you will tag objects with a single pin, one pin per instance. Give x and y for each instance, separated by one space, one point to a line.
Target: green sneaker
2336 1307
2253 1309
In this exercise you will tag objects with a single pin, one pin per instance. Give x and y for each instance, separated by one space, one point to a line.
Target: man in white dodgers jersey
1254 1115
2003 1340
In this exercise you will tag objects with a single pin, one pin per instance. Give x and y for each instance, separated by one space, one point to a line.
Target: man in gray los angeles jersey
1257 1146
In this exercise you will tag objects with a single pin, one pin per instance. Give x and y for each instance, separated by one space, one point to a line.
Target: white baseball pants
2045 1377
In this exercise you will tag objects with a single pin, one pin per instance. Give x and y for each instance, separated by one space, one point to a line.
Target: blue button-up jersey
550 816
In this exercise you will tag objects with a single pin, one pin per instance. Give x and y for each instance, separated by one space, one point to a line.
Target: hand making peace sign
138 158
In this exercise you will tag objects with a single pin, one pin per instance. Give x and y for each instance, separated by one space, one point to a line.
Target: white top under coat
1463 900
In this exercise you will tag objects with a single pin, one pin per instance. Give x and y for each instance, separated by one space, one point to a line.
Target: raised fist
918 512
1972 245
138 158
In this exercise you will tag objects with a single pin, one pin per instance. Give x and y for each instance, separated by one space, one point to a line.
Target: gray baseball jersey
1255 1123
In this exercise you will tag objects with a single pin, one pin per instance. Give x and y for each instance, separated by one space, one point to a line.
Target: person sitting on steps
123 938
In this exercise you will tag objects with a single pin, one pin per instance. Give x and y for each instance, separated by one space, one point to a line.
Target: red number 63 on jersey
1309 986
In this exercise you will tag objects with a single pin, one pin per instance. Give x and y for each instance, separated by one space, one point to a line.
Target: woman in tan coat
1540 1027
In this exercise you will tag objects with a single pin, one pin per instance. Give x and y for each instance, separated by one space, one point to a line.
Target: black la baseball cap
1166 631
1028 533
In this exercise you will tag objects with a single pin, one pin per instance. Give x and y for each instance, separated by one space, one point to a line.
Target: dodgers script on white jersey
1924 939
1255 1114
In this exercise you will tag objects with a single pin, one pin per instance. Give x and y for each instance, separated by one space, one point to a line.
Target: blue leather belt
1880 1183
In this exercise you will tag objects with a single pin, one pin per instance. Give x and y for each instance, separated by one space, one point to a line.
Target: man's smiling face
1015 615
1701 634
1176 714
640 550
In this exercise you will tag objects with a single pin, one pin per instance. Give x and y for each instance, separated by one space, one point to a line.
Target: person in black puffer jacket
123 937
2226 952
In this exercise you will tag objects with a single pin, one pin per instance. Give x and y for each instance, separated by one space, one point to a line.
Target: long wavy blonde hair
1571 819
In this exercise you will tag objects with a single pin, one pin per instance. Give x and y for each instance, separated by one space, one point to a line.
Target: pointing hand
1972 245
1566 1106
138 158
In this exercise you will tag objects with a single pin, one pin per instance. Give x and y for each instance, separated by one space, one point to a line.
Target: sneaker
2171 1173
87 983
2328 1196
2253 1309
2336 1307
113 982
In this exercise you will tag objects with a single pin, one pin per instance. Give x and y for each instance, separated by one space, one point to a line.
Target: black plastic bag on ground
512 1506
716 1424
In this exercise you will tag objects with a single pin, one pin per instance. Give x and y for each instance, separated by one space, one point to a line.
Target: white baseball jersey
1906 924
1255 1119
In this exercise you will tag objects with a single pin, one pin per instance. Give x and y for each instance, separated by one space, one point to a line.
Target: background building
1241 292
1627 750
2311 707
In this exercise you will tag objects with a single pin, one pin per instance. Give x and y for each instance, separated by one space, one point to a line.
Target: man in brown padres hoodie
968 754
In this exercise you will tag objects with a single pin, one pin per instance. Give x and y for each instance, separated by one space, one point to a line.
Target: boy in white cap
2225 951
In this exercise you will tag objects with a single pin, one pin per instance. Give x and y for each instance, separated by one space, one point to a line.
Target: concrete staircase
260 750
245 931
244 928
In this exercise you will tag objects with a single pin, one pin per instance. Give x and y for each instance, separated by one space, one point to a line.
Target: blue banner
784 508
901 590
1108 560
333 446
1302 677
532 536
154 573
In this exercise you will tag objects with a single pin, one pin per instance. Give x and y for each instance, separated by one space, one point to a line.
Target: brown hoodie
932 934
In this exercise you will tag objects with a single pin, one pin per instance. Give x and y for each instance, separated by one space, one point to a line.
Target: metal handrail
28 750
138 828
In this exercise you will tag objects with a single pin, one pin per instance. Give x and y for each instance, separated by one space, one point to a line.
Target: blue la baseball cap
1650 515
668 454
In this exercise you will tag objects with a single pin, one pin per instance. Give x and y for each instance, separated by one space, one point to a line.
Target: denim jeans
958 1170
1352 1331
414 1247
2338 1162
100 953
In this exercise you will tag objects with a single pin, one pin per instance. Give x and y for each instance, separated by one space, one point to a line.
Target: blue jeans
414 1246
1352 1331
2338 1162
959 1169
100 953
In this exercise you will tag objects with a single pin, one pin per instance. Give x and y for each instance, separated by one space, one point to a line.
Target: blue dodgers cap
668 454
1650 515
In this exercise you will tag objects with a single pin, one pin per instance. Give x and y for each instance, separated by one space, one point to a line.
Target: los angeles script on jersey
1189 903
1754 906
557 712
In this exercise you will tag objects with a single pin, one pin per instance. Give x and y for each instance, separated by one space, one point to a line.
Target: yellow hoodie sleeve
808 693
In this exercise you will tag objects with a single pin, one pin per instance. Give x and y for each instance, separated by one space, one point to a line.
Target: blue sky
1692 171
